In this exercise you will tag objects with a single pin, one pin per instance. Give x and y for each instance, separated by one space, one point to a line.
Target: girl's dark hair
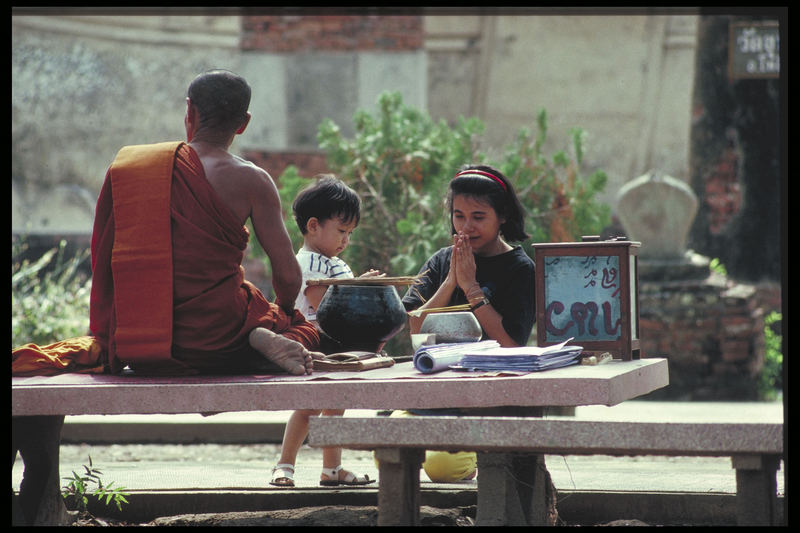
499 194
328 197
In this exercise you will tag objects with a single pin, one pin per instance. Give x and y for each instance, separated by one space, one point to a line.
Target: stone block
657 210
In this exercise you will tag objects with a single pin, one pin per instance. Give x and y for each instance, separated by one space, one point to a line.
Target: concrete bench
39 403
400 443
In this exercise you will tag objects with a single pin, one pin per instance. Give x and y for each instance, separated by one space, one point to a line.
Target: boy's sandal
283 475
350 479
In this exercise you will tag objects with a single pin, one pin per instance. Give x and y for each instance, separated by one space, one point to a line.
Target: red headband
481 173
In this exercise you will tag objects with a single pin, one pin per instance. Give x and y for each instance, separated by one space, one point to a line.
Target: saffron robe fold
213 307
77 355
168 289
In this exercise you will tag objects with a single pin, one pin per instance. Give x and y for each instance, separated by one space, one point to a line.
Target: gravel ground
265 455
268 454
302 517
306 516
180 452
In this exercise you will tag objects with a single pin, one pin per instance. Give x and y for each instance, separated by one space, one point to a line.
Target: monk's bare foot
286 353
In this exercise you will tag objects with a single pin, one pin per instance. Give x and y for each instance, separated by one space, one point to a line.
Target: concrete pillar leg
756 490
514 489
398 489
38 438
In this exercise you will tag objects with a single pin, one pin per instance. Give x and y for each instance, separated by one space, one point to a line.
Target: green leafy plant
77 491
49 296
291 184
716 266
400 160
771 381
558 198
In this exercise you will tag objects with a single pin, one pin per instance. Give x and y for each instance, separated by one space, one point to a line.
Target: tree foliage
400 161
49 296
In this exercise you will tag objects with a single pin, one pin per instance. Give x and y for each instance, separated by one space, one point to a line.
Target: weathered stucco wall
626 80
83 86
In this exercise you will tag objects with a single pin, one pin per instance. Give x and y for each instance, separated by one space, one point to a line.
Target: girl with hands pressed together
481 269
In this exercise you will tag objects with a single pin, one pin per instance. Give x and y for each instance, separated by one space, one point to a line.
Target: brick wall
308 162
723 195
711 331
289 33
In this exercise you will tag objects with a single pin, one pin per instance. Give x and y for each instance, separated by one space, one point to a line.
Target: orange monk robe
213 308
132 257
79 354
178 304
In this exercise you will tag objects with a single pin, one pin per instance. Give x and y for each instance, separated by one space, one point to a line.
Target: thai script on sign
754 50
582 298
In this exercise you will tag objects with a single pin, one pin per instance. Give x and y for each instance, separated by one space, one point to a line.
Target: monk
168 289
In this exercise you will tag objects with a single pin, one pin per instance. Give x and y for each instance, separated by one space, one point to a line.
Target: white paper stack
438 357
520 359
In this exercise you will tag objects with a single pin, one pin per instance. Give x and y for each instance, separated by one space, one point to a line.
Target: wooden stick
401 280
418 312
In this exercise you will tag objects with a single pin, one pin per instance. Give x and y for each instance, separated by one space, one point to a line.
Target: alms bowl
455 326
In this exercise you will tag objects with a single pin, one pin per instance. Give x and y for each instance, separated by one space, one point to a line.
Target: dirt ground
302 517
312 517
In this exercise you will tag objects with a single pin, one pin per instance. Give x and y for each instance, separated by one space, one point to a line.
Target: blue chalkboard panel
583 298
588 292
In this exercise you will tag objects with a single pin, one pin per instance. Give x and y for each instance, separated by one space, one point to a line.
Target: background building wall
626 80
84 85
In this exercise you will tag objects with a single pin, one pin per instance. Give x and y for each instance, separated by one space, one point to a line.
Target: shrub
559 200
771 380
49 296
400 161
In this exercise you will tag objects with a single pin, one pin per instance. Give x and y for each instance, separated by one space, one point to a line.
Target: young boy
326 212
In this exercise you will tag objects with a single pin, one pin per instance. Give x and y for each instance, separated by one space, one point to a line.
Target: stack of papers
438 357
521 359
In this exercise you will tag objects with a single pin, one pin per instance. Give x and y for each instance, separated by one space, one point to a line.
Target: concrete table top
397 387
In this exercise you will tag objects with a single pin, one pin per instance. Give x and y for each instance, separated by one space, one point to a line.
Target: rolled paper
439 357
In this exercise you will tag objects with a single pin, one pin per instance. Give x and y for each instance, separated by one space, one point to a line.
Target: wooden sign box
589 291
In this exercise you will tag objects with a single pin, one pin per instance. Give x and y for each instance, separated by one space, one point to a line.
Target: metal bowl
456 326
361 317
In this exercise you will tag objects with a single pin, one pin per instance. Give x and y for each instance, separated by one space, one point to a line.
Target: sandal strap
285 467
353 477
332 473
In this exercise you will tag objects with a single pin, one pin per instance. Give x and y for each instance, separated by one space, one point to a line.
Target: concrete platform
223 463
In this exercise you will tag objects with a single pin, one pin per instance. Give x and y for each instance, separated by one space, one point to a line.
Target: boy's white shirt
314 265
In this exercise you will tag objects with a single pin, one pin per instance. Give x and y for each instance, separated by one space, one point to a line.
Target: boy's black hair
328 197
500 196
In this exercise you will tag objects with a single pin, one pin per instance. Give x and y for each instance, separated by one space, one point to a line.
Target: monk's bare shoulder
255 179
243 185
